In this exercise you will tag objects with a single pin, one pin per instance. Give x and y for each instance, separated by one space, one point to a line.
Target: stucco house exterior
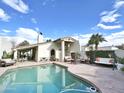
57 49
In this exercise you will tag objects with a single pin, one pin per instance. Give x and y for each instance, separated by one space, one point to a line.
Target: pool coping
79 77
22 66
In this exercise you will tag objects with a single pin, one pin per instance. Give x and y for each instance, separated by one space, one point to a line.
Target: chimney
40 38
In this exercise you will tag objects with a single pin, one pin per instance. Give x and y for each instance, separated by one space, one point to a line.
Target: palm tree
95 39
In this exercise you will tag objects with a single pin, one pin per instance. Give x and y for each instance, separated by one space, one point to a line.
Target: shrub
122 69
121 60
7 55
100 53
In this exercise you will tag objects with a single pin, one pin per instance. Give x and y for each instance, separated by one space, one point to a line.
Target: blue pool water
42 79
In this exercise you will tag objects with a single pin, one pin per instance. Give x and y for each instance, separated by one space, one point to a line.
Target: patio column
62 50
15 54
38 54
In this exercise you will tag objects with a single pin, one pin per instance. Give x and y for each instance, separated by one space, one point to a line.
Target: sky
23 19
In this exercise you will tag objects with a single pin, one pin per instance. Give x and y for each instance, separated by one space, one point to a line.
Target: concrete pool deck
107 80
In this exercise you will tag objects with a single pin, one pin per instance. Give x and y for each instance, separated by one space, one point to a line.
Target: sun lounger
7 62
68 59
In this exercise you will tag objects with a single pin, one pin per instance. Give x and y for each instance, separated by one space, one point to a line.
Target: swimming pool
48 78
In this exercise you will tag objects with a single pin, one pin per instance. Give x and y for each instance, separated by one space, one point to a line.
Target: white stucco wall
45 49
5 45
119 53
83 52
75 47
36 54
15 54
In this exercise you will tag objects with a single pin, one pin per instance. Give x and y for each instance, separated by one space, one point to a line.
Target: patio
107 80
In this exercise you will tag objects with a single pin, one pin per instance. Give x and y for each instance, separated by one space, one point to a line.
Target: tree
4 54
24 43
120 46
49 40
95 39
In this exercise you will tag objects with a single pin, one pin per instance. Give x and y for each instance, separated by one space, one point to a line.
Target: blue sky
21 19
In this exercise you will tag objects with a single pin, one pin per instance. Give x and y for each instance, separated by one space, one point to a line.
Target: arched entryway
52 55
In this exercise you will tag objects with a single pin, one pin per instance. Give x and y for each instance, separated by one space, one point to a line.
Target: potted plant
120 63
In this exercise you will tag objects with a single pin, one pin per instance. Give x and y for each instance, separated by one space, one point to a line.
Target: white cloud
83 38
103 13
6 31
27 34
18 5
34 20
118 4
105 27
3 34
116 38
110 17
23 34
3 16
118 35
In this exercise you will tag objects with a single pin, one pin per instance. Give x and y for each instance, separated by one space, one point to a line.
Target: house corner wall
75 47
45 49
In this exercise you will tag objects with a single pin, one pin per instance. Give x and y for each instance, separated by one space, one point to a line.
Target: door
73 56
52 55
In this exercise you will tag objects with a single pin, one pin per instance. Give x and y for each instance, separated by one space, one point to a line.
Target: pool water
42 79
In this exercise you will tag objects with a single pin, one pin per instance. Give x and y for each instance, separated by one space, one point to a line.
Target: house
56 50
118 52
5 45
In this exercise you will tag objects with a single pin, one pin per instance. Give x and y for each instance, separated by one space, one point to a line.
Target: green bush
105 54
122 69
7 55
100 53
121 60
